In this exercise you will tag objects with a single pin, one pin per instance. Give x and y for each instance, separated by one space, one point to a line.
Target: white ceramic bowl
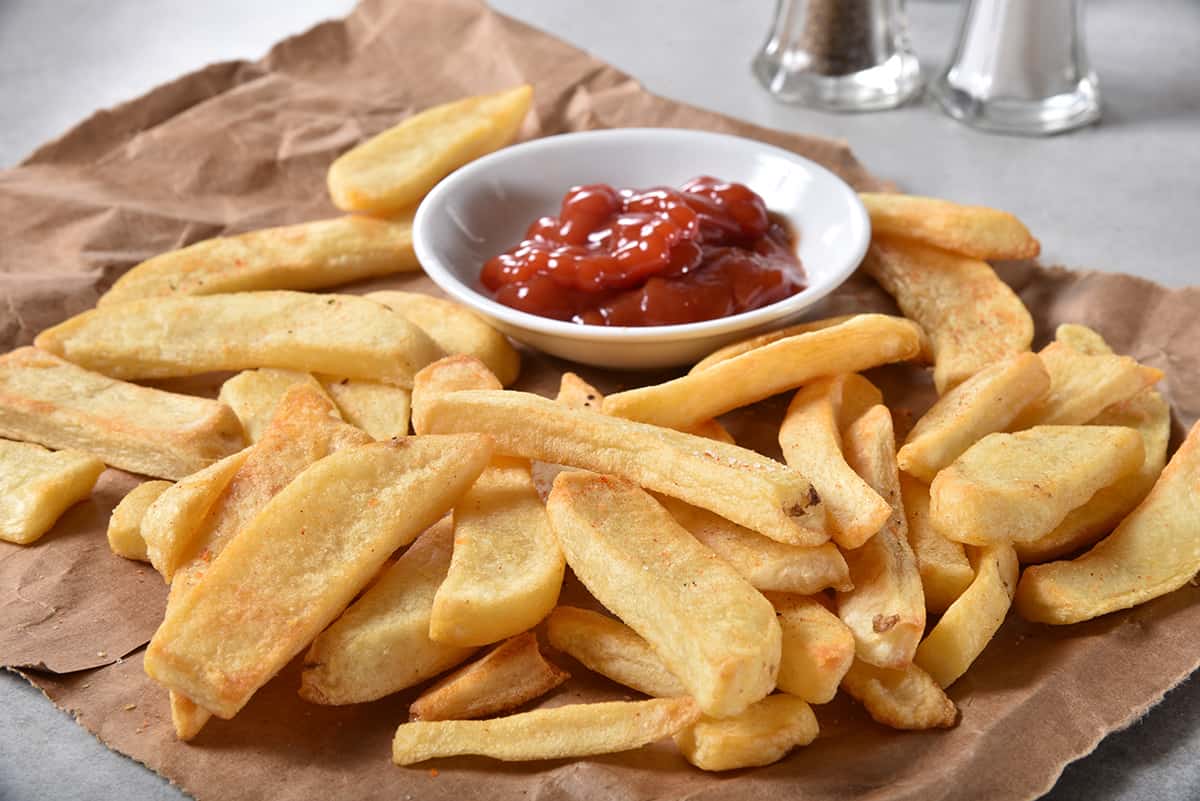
484 208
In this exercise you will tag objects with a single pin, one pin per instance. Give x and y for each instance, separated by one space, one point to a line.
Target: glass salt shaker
1020 67
841 55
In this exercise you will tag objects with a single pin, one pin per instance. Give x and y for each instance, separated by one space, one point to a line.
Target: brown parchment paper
242 145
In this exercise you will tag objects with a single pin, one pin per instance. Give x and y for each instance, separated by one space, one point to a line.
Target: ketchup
656 256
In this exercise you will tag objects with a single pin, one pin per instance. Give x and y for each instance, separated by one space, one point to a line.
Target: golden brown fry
304 430
46 400
164 337
746 345
739 484
38 485
886 607
394 169
1150 415
972 317
857 397
125 523
902 699
765 563
761 735
1154 551
575 730
575 393
945 570
985 403
173 523
812 445
450 374
507 567
974 618
511 675
269 593
358 658
379 409
1019 487
707 624
1082 385
311 255
456 329
254 394
612 649
864 341
976 231
1081 338
818 648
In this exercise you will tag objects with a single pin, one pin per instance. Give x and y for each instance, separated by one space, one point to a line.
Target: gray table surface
1121 196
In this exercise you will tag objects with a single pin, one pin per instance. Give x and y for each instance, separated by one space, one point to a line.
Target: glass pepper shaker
841 55
1020 67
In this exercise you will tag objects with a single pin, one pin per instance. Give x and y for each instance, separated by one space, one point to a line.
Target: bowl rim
450 283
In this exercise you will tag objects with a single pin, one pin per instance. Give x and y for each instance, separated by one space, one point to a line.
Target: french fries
173 522
714 631
311 255
985 403
576 730
974 617
1019 487
455 329
575 393
765 563
736 483
268 593
1155 550
381 410
1150 415
507 567
761 735
818 648
38 485
812 445
450 374
164 337
885 609
976 231
393 170
511 675
1081 338
305 429
1082 385
49 401
381 644
972 317
254 394
901 699
862 342
125 524
942 563
612 649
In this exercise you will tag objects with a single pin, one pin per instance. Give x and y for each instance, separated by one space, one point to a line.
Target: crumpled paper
241 145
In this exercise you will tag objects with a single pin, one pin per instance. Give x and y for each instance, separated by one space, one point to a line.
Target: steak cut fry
818 648
52 402
738 484
711 629
300 561
311 255
1154 551
945 570
859 343
576 730
165 337
607 646
394 169
125 524
902 699
972 317
886 607
254 395
976 231
763 734
37 486
812 445
381 644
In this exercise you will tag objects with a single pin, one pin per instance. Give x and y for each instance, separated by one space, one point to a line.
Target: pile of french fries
297 515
